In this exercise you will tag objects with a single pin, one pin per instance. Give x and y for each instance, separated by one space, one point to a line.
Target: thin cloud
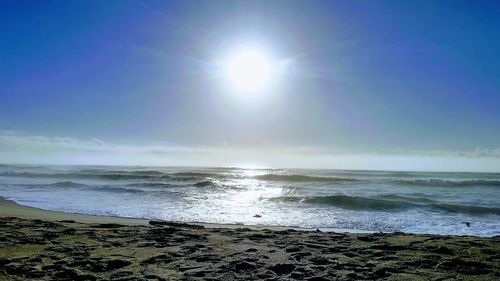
19 147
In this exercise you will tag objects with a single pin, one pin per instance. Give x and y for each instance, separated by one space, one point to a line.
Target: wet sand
45 245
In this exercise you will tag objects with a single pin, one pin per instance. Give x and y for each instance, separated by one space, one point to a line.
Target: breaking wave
67 184
151 185
448 183
203 183
81 175
395 203
199 175
153 176
303 178
64 184
115 189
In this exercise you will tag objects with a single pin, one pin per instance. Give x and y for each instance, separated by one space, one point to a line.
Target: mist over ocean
415 202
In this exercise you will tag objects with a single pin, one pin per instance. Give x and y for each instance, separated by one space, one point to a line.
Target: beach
47 245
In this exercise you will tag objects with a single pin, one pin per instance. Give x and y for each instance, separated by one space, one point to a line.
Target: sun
249 70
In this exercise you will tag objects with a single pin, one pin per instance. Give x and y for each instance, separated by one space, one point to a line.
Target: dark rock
84 277
108 225
35 274
424 263
191 235
49 235
470 267
36 260
175 224
442 250
387 247
198 273
130 278
100 265
297 275
31 240
251 259
208 258
382 272
56 266
354 275
15 269
164 258
350 254
187 250
121 274
67 273
293 249
366 238
4 261
158 223
259 236
283 268
243 266
319 260
388 257
313 245
318 278
116 263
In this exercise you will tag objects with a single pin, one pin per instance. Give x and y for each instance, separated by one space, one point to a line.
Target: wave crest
80 175
67 184
303 178
199 175
115 189
204 183
448 183
395 203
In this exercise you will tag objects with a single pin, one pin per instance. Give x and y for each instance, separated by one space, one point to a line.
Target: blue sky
397 77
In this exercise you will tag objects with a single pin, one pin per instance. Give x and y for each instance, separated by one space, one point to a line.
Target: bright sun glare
248 70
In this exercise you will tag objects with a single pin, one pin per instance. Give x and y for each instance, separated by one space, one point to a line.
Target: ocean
414 202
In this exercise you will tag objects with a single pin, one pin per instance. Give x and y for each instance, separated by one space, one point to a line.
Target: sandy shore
11 209
45 245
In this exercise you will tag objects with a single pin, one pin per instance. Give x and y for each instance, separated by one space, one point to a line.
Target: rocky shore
45 245
33 249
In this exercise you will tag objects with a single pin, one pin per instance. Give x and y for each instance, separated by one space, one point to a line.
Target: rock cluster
67 250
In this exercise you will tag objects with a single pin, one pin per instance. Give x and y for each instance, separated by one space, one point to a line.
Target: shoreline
9 208
14 209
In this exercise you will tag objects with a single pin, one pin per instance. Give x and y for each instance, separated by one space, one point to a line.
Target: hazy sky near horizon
404 77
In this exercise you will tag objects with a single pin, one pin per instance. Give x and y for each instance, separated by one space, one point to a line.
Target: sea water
415 202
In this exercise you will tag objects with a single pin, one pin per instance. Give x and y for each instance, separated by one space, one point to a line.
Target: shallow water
436 203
